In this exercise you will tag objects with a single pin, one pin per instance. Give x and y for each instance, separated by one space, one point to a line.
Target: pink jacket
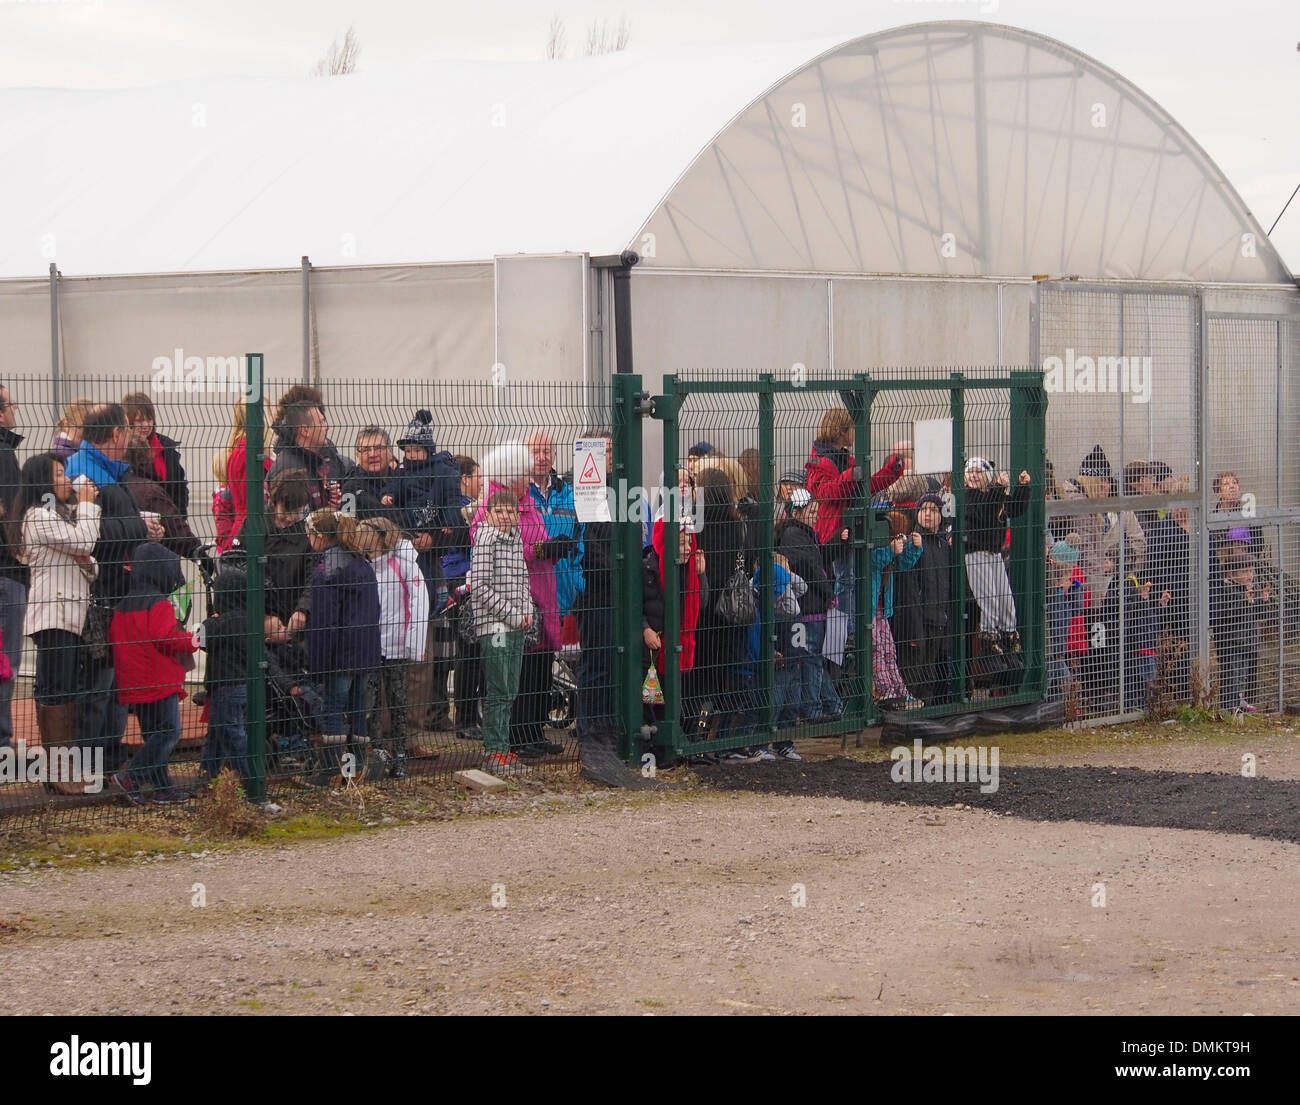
541 573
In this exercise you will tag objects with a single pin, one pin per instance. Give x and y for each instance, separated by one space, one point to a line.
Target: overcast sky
1229 72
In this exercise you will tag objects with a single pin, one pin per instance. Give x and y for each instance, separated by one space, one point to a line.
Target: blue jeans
226 744
739 708
345 705
13 604
819 695
595 674
787 687
160 725
1058 678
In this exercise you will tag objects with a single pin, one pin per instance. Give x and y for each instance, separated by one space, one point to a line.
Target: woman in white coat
55 532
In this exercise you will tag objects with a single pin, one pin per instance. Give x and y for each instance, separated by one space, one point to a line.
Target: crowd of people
385 574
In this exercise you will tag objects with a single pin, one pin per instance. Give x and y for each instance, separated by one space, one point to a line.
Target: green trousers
502 655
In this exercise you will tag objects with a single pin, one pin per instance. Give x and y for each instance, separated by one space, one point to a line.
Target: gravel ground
685 903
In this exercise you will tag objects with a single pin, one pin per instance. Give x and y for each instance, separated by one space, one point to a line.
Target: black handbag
736 605
94 635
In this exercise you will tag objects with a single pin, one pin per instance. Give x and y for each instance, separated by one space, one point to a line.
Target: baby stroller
293 709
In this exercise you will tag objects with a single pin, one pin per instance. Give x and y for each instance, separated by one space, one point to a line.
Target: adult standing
553 498
13 573
835 481
236 474
100 458
165 452
302 443
365 482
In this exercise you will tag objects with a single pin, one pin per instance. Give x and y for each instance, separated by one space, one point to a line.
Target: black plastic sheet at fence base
901 727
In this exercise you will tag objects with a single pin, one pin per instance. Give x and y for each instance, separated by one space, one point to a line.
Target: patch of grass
87 849
650 1003
250 1003
312 826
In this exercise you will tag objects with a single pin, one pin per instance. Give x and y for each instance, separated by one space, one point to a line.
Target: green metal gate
1012 404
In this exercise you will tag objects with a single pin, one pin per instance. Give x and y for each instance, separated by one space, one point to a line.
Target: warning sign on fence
589 466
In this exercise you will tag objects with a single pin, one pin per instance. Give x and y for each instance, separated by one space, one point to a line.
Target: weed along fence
327 584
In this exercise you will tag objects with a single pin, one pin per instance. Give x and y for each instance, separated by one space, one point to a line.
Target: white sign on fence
589 467
932 446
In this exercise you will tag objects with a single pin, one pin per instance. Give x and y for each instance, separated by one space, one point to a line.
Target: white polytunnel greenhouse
934 197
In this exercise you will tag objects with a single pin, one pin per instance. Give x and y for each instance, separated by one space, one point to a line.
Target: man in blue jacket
101 718
554 499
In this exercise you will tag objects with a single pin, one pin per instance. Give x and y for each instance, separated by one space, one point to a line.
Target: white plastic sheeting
936 149
959 149
459 162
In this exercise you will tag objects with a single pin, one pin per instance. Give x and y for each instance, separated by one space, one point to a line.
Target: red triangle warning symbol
590 475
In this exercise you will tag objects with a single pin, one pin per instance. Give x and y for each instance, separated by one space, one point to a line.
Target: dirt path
676 904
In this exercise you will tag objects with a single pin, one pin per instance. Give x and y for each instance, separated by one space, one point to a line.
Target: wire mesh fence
127 569
868 566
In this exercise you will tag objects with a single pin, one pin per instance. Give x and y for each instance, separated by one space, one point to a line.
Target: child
899 555
1235 614
343 645
1141 635
403 623
55 539
789 589
503 610
923 618
224 677
988 508
1064 603
817 700
425 486
148 644
467 680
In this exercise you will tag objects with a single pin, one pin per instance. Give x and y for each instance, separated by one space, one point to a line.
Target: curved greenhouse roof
953 148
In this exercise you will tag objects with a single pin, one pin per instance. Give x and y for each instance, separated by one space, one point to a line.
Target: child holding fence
989 507
503 612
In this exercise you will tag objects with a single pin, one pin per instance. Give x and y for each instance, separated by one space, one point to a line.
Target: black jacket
289 564
319 471
121 529
988 511
10 475
366 491
224 631
923 593
174 481
1169 562
1234 620
597 567
798 544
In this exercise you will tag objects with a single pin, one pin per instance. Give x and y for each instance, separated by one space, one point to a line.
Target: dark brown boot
58 729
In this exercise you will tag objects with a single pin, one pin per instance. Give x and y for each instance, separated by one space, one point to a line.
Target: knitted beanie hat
419 432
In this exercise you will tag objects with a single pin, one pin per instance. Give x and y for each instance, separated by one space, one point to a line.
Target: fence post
957 407
858 519
255 541
670 729
767 572
625 592
1028 564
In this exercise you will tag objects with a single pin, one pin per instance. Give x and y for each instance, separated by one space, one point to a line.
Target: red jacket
834 487
146 646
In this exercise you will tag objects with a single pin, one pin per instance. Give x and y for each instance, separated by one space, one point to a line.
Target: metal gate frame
1027 418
